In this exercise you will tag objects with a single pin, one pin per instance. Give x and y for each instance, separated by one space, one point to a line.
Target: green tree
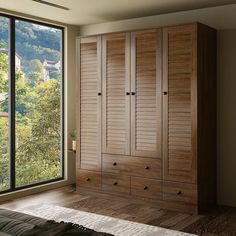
38 153
34 78
37 106
4 29
4 126
4 154
3 81
54 75
36 66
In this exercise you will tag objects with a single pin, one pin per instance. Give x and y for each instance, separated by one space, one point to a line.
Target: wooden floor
221 221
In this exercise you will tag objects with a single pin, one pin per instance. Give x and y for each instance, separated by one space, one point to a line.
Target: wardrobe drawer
146 167
89 179
116 183
180 192
143 187
130 165
116 164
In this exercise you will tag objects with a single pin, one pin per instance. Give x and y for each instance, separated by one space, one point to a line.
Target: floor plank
220 222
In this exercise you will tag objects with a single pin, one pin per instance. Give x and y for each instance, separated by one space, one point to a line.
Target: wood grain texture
131 165
218 222
146 84
148 188
110 193
116 183
158 115
179 192
116 104
180 103
89 179
90 104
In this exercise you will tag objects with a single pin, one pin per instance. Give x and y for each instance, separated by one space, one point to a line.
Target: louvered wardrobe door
116 98
179 81
90 103
146 93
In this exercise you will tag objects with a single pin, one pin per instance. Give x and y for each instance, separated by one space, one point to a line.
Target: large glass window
36 103
4 105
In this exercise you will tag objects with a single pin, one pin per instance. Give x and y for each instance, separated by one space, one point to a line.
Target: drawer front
180 192
130 165
115 183
89 179
116 164
146 167
143 187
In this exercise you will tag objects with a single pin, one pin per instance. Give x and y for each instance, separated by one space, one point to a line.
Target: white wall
227 117
70 82
222 18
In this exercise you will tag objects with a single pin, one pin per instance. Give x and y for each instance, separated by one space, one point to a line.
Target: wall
227 117
222 18
70 85
70 53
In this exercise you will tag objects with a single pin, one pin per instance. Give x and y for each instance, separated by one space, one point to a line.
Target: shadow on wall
107 14
226 117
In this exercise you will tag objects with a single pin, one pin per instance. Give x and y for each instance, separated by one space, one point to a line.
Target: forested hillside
32 41
37 106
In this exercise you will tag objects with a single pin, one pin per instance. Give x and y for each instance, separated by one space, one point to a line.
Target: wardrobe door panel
146 83
180 102
116 98
90 103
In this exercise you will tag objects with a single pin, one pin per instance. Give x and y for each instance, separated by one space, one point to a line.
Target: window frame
12 134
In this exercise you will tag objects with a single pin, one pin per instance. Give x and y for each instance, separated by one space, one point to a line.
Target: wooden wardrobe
146 116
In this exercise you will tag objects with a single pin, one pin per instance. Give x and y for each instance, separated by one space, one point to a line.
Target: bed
15 223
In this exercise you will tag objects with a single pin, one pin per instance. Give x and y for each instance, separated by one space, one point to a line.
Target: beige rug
97 222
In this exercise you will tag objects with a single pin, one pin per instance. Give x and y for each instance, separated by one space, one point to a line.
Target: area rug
97 222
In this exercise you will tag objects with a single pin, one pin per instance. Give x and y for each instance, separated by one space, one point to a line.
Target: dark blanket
15 223
51 228
18 224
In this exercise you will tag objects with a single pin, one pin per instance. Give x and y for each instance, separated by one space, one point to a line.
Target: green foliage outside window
37 112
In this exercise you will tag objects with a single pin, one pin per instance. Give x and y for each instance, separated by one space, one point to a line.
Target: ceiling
84 12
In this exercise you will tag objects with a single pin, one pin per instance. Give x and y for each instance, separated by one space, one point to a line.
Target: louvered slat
146 103
179 78
116 108
90 105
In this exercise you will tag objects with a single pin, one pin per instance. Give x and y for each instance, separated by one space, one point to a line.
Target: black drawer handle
127 93
114 164
115 183
133 93
99 94
88 179
145 188
179 193
147 167
165 93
